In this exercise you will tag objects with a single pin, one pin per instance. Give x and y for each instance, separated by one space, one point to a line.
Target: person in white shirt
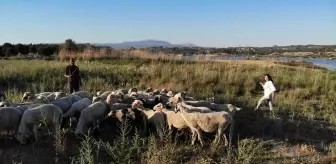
268 92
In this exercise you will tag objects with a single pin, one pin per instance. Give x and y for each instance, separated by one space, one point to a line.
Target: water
329 64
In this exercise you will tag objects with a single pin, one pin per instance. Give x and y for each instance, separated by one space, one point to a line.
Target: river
330 64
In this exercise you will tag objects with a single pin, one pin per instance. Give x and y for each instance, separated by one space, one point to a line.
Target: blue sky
219 23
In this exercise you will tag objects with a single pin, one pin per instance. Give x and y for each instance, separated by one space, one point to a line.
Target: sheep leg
193 139
225 140
200 138
218 135
35 132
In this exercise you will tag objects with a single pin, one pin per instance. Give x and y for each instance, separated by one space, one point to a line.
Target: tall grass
305 100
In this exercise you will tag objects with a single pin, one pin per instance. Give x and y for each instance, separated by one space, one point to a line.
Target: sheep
47 114
30 97
77 107
170 94
164 91
118 106
183 95
129 98
207 122
164 99
83 94
9 120
155 119
110 123
101 97
65 103
124 91
173 101
173 119
132 90
25 107
41 100
213 106
89 117
4 103
154 92
94 114
55 96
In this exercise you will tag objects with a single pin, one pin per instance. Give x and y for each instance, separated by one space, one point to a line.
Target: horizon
205 24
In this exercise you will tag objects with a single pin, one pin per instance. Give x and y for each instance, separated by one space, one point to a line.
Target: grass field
304 122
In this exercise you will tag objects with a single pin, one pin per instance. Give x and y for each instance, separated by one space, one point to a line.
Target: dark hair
72 59
269 77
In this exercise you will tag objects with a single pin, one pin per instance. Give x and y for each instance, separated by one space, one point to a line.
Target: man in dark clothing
72 73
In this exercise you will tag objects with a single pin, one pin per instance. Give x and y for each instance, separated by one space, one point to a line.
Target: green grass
305 104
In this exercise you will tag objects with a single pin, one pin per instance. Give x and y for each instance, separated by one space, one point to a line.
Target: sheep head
41 99
21 138
178 107
111 99
233 108
149 89
99 93
137 104
155 92
4 103
180 94
59 95
170 94
132 90
164 91
120 95
96 99
27 96
158 107
172 101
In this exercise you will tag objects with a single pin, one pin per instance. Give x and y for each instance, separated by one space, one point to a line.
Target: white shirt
268 88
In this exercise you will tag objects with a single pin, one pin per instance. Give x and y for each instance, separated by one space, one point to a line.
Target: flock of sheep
149 111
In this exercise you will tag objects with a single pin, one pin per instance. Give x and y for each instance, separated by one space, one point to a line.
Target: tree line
8 49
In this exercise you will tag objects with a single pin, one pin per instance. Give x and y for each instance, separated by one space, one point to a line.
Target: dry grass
305 101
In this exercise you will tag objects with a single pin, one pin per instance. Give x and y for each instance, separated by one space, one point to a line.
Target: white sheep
47 114
83 94
4 103
25 107
30 97
118 106
132 90
155 119
77 107
213 106
55 95
129 98
173 119
89 117
207 122
9 120
101 97
94 114
173 101
65 103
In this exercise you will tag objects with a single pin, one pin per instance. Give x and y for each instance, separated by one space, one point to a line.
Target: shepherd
72 73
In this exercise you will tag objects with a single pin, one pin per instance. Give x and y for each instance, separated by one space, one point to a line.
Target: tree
22 49
46 50
10 51
32 49
69 45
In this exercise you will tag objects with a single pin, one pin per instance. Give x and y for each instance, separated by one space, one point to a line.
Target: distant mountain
145 44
